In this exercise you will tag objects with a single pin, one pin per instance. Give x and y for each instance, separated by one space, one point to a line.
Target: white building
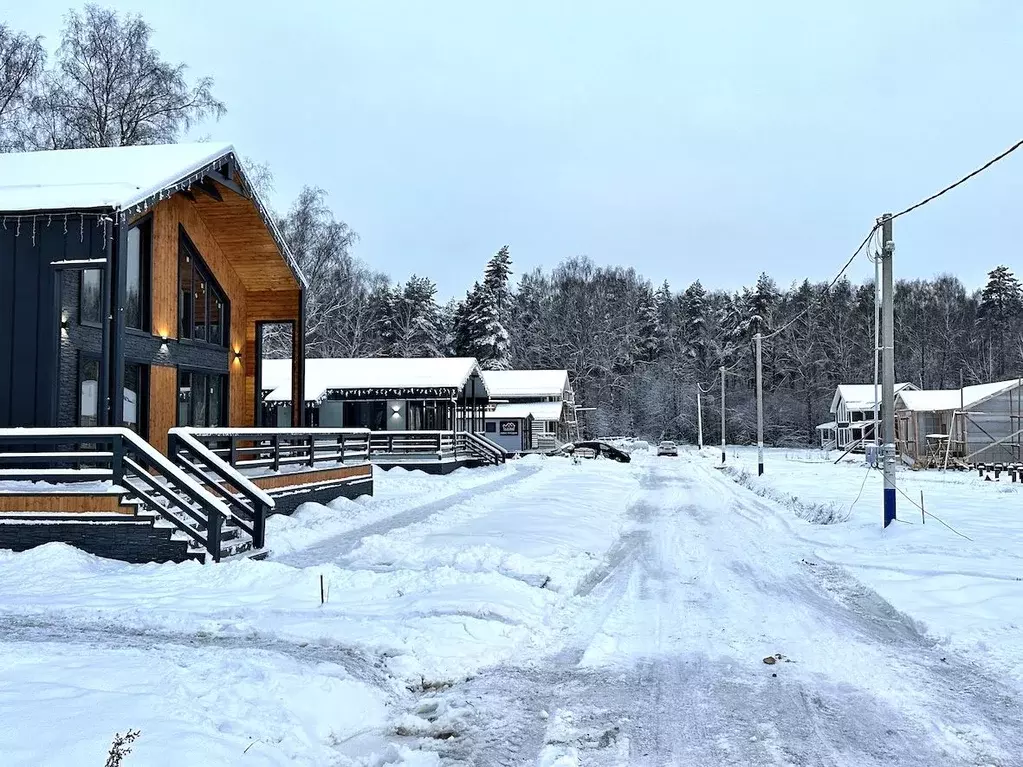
853 409
975 424
530 409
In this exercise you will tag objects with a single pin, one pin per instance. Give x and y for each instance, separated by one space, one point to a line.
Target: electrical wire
932 516
826 290
863 484
961 181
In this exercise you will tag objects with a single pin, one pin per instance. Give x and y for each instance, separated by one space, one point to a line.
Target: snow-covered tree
1001 304
649 338
413 326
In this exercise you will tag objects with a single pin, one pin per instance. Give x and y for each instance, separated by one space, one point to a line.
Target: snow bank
62 703
967 593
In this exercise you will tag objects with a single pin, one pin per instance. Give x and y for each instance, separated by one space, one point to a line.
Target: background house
853 409
381 393
544 396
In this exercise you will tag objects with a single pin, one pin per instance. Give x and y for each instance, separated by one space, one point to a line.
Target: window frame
89 323
83 358
142 403
145 227
225 395
214 293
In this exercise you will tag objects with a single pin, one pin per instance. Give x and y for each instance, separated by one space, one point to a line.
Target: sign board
509 428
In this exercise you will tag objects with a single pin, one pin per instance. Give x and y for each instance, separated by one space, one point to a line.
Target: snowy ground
541 613
966 591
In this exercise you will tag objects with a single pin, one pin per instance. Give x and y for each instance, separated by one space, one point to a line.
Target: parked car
592 449
667 448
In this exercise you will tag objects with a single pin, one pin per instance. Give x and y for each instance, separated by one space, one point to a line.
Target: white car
667 448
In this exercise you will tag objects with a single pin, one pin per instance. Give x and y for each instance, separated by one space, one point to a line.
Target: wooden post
923 516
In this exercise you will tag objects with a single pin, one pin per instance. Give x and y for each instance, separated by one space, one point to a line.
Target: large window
366 415
137 268
91 297
201 306
135 395
431 415
136 398
201 399
136 307
88 391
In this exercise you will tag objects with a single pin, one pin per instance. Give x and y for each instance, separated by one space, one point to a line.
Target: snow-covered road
666 667
543 613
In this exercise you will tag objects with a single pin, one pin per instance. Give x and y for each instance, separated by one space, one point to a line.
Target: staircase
210 508
480 448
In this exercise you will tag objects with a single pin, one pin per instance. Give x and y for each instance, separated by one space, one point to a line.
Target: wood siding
243 258
298 479
64 503
163 404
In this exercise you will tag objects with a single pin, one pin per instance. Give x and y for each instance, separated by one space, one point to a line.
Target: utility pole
722 414
760 406
888 367
699 416
877 351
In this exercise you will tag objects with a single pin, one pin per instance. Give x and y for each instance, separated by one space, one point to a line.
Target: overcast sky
706 141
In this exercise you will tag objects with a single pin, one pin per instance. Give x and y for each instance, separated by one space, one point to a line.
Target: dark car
592 449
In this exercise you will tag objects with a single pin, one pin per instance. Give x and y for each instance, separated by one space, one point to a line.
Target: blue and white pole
722 369
888 368
760 406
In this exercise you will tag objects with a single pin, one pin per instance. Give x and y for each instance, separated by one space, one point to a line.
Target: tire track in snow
666 700
340 546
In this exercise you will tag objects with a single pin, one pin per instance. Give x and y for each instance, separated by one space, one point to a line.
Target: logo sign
509 427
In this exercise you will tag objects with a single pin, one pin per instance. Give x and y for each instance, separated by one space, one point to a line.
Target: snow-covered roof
115 177
323 375
541 411
933 400
861 396
526 383
111 177
827 426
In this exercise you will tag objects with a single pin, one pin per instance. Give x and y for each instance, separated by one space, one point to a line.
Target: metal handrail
130 462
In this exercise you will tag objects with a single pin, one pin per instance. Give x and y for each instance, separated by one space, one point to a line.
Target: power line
961 181
826 290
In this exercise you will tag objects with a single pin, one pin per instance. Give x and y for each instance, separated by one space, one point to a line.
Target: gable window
202 309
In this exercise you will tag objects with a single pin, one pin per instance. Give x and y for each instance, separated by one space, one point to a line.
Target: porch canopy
454 381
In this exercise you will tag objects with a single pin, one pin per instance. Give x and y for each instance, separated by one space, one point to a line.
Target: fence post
117 459
275 445
234 450
259 524
312 450
214 521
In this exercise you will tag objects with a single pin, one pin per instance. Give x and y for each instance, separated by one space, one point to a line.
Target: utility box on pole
888 454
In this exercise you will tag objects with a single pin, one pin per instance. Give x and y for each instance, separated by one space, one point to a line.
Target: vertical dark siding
30 314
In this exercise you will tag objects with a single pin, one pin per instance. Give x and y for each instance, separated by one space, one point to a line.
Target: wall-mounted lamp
63 321
237 356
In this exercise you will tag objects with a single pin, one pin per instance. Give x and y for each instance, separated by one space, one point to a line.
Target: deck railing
74 458
399 444
263 450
